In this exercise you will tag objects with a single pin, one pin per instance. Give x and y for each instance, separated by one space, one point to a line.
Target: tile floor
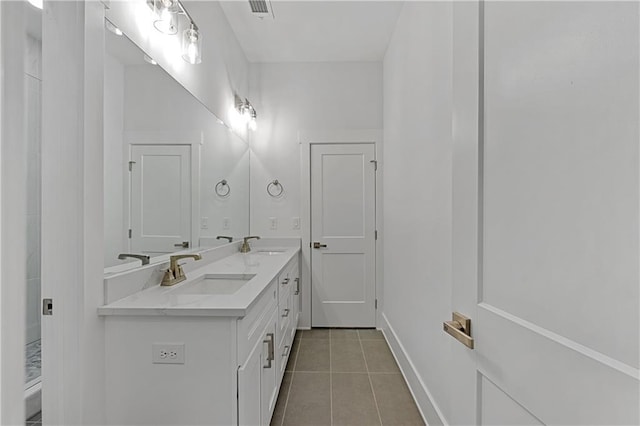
343 377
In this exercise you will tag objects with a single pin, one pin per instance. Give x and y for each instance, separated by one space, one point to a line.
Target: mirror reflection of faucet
245 248
142 257
175 274
222 237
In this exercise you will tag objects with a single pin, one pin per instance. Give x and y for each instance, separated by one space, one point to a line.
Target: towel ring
275 192
220 188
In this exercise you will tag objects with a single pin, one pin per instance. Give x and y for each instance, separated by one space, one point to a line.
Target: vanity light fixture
247 113
166 16
36 3
191 44
166 20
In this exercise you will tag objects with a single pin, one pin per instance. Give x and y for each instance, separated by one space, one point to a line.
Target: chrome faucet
142 257
222 237
245 248
175 274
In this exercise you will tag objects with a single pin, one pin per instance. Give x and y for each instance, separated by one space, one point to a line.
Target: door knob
317 245
460 329
184 244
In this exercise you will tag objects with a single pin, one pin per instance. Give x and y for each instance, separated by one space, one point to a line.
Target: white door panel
160 198
557 222
343 219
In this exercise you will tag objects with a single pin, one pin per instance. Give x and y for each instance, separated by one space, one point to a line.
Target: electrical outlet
273 223
167 353
204 223
225 223
295 223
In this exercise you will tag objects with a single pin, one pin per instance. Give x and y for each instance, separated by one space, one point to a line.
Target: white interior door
343 226
547 262
160 198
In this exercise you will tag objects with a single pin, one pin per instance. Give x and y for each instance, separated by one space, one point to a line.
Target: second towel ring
220 188
275 188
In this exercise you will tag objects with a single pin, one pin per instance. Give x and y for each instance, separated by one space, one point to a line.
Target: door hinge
376 234
375 164
47 306
130 232
376 303
131 163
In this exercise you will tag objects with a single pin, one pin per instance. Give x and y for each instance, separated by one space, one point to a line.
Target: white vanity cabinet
231 368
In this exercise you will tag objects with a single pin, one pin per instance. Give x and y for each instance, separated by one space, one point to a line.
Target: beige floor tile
378 357
370 334
395 402
313 355
278 412
309 400
352 400
316 333
347 356
343 333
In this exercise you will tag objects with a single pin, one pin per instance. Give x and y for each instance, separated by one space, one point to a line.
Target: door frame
335 136
13 215
194 140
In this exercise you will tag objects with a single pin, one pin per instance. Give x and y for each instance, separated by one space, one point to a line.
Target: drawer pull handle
270 356
285 281
287 349
297 280
286 313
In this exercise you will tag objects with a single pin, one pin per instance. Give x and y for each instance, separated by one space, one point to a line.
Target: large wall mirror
175 176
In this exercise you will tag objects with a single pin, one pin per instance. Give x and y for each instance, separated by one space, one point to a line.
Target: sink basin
269 252
215 284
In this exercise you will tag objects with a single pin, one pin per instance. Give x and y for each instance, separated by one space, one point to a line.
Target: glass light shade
191 46
166 16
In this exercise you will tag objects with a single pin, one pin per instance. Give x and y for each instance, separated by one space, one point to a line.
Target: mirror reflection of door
160 198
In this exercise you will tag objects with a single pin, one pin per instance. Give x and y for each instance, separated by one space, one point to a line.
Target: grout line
295 362
330 380
375 400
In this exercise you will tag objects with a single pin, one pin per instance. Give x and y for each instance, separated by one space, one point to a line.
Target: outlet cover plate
167 353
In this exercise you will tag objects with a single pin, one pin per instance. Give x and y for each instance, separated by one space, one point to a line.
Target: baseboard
431 415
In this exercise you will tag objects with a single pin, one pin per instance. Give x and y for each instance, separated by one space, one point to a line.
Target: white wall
417 198
114 184
295 101
295 98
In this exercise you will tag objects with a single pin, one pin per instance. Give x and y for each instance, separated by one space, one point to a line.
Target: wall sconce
247 112
166 14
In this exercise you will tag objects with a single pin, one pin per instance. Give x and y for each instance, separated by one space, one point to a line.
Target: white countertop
158 300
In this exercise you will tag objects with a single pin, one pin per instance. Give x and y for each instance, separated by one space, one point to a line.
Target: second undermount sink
215 284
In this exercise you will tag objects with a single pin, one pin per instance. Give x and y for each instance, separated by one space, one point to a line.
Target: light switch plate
295 223
225 223
273 223
204 223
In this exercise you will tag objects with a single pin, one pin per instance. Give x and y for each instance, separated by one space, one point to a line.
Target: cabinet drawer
284 349
251 325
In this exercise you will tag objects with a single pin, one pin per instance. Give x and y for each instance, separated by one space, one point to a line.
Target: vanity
209 350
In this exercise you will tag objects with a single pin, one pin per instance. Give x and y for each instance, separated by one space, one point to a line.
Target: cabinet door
269 373
249 380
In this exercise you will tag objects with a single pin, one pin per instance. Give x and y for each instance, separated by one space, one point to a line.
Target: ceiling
315 31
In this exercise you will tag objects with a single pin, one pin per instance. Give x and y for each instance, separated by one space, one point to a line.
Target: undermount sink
215 284
269 252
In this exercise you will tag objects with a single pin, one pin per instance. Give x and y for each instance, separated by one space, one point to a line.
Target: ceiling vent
262 8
